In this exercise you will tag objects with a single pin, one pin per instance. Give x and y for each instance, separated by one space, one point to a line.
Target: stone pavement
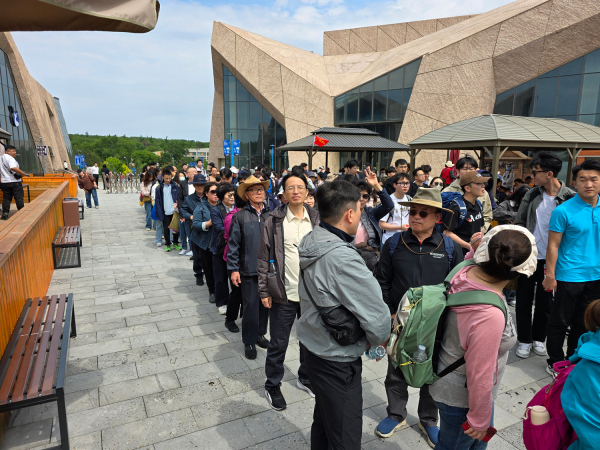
154 367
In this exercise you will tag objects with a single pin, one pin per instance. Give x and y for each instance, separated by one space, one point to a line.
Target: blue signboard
79 160
236 148
227 148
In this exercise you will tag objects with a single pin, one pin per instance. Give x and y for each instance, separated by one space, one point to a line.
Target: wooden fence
40 184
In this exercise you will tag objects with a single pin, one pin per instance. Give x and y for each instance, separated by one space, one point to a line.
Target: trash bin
71 212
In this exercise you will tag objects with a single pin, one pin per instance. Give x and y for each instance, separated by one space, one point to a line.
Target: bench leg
62 420
54 255
78 256
73 329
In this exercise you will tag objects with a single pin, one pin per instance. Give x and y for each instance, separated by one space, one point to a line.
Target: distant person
165 202
388 185
448 173
96 173
10 181
397 220
65 166
418 181
427 171
106 177
402 166
88 184
508 178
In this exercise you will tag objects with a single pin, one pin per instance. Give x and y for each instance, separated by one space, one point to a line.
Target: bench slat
11 374
48 382
4 362
36 377
29 358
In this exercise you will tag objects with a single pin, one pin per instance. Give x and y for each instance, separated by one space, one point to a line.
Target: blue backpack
456 197
448 245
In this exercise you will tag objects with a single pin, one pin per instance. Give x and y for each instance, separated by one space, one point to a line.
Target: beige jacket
486 203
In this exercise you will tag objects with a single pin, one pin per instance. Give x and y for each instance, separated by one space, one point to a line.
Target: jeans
158 226
10 190
88 198
528 331
220 279
148 208
569 307
452 436
256 316
282 320
184 233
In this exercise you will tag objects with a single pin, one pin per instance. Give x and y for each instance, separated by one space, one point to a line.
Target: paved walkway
153 366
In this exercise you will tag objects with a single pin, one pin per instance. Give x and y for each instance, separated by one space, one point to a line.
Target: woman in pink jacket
480 334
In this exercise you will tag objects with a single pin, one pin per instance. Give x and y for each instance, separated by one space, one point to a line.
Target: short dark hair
104 166
322 175
518 180
166 172
243 175
10 147
335 198
390 169
399 176
226 173
588 164
401 162
208 185
152 164
462 162
349 178
592 316
312 193
364 186
547 161
351 163
239 202
79 170
426 168
295 172
303 165
416 171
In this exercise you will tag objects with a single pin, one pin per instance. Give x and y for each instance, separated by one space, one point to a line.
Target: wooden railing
40 184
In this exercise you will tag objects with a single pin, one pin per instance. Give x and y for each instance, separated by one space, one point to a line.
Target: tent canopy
132 16
4 134
494 134
343 140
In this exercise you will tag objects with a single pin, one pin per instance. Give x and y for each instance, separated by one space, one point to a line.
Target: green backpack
423 311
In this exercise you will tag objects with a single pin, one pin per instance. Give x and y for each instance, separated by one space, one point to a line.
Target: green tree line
132 149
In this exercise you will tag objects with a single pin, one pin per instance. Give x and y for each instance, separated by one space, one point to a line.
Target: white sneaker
158 244
147 229
182 252
97 207
223 310
539 348
190 253
523 350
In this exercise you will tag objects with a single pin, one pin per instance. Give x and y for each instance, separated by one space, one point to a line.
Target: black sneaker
275 398
199 281
211 298
231 326
4 216
250 351
262 341
305 386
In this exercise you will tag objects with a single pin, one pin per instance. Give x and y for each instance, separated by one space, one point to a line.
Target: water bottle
375 352
420 355
272 266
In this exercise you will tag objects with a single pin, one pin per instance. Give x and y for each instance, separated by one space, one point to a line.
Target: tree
116 165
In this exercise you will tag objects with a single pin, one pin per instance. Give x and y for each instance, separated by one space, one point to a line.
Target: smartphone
491 431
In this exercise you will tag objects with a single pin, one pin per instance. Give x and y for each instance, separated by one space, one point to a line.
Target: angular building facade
530 57
39 114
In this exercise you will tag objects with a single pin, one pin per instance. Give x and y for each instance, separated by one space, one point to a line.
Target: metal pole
311 154
272 156
43 157
231 147
495 164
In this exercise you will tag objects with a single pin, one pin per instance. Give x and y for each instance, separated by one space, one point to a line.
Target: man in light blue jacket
335 275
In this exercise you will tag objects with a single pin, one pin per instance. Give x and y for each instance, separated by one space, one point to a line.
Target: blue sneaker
431 433
387 427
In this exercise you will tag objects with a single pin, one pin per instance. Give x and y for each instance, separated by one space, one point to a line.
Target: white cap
234 169
449 164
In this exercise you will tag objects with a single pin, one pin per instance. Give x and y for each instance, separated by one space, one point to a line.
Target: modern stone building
39 114
530 57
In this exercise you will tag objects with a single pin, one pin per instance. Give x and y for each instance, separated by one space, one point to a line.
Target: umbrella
132 16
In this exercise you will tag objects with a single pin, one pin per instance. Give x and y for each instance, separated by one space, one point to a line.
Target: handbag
153 213
175 223
342 325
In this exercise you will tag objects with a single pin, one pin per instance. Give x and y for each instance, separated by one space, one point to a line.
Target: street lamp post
231 146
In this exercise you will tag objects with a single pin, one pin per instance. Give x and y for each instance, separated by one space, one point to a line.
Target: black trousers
396 390
256 316
337 419
528 331
197 264
167 231
234 304
282 319
569 306
207 265
10 191
97 177
219 267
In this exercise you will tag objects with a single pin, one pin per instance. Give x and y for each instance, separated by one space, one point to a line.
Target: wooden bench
66 237
81 209
33 366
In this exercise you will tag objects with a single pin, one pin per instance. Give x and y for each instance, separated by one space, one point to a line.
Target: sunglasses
422 214
365 196
212 192
437 183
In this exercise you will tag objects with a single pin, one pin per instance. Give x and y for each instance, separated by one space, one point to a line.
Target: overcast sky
160 83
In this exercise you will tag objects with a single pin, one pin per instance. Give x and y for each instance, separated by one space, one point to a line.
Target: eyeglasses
365 196
534 172
295 188
212 192
422 214
404 183
437 183
230 194
256 191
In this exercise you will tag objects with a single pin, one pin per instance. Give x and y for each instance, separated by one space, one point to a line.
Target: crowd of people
338 254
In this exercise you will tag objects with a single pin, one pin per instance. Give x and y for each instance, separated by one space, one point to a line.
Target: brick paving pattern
154 367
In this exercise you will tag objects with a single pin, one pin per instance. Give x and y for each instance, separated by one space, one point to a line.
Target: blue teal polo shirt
578 254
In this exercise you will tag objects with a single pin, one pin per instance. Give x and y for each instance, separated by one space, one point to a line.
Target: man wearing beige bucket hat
242 261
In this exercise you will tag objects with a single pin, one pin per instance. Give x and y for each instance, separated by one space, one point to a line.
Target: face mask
181 178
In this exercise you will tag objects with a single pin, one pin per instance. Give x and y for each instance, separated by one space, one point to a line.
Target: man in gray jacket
335 275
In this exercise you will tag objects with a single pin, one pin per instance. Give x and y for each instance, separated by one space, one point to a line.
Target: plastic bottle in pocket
420 355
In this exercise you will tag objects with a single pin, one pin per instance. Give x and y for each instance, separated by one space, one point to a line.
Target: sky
160 83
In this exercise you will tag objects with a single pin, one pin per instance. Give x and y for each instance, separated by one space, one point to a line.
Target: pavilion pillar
326 159
495 166
573 154
413 161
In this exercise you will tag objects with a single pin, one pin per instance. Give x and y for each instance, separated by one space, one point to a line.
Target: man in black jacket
187 212
419 256
186 189
242 257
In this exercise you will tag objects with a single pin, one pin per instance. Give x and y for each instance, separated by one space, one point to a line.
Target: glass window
592 62
255 115
405 99
280 136
340 103
381 83
267 118
226 71
396 78
352 106
592 119
504 103
545 97
590 94
244 138
252 99
229 89
568 95
410 73
393 131
230 116
567 117
242 93
242 115
394 104
524 99
365 107
379 106
367 87
256 151
552 73
572 68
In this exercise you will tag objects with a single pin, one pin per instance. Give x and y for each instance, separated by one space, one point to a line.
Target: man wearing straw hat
242 261
419 256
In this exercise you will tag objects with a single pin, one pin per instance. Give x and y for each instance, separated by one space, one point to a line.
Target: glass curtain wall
63 129
571 91
252 124
21 135
379 105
